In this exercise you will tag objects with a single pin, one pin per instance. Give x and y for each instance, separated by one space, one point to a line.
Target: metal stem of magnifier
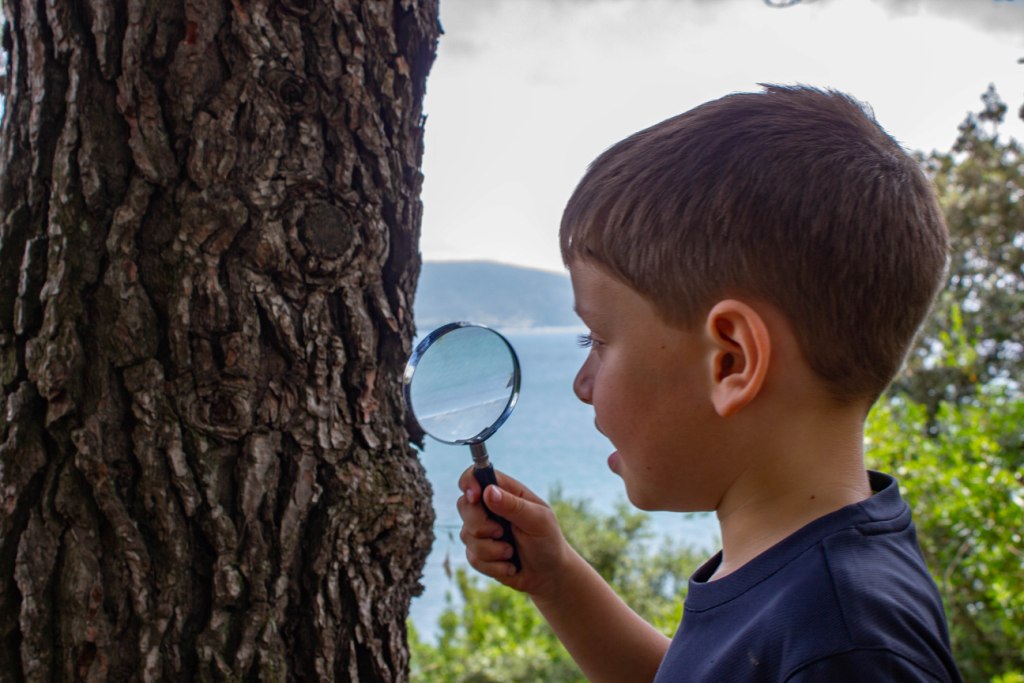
479 451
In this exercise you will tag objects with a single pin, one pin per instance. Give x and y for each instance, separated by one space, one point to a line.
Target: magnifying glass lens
463 385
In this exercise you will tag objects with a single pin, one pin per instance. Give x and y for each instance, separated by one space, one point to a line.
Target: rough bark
208 250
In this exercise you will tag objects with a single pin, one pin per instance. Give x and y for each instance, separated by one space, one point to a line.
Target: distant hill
493 294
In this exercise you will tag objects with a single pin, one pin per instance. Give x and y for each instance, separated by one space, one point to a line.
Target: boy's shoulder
845 594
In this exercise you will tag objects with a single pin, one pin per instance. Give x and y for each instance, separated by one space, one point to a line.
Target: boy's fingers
507 483
470 487
487 549
496 569
475 522
529 516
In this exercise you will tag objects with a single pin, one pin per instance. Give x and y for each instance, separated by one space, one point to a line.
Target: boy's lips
613 462
613 459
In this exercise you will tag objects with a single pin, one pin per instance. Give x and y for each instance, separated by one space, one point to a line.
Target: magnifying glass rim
417 354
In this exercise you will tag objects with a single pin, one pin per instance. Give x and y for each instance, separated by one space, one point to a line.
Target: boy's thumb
519 511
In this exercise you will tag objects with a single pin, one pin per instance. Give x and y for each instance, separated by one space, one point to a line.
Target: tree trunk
210 218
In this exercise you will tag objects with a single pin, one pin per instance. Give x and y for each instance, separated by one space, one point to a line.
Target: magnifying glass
461 384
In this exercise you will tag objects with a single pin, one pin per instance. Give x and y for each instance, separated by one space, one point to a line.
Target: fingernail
470 495
495 494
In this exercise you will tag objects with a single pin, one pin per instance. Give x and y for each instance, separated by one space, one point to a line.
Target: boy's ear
741 354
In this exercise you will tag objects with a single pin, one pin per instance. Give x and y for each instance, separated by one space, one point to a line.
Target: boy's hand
607 639
543 551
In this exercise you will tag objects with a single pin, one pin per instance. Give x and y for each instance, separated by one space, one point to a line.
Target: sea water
549 442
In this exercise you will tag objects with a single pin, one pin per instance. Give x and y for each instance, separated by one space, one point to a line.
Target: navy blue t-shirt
846 598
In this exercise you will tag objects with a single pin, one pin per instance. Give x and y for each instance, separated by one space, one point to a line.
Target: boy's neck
806 474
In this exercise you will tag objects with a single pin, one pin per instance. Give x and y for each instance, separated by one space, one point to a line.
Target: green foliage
497 636
1009 678
980 183
951 430
964 483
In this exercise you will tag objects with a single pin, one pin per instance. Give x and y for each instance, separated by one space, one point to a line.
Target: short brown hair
795 196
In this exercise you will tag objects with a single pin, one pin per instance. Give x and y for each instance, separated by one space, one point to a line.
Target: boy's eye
585 341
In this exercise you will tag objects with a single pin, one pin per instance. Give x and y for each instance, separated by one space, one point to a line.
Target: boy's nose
583 384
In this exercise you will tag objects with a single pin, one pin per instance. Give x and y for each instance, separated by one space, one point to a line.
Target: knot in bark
329 232
224 411
292 90
300 8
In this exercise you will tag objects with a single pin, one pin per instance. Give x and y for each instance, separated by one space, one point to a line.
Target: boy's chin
642 502
636 498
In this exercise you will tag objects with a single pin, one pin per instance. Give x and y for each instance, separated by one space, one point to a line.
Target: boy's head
793 196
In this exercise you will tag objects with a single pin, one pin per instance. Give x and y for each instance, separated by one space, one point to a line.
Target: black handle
485 477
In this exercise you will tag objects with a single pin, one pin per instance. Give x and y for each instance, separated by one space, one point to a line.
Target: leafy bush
980 183
965 485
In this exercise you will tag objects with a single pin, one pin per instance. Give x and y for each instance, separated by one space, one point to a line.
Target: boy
752 273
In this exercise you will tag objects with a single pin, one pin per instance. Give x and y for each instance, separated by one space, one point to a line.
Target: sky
525 93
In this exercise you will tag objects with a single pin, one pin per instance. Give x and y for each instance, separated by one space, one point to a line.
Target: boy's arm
608 640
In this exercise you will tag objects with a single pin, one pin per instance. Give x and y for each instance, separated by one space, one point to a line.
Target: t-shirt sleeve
857 666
